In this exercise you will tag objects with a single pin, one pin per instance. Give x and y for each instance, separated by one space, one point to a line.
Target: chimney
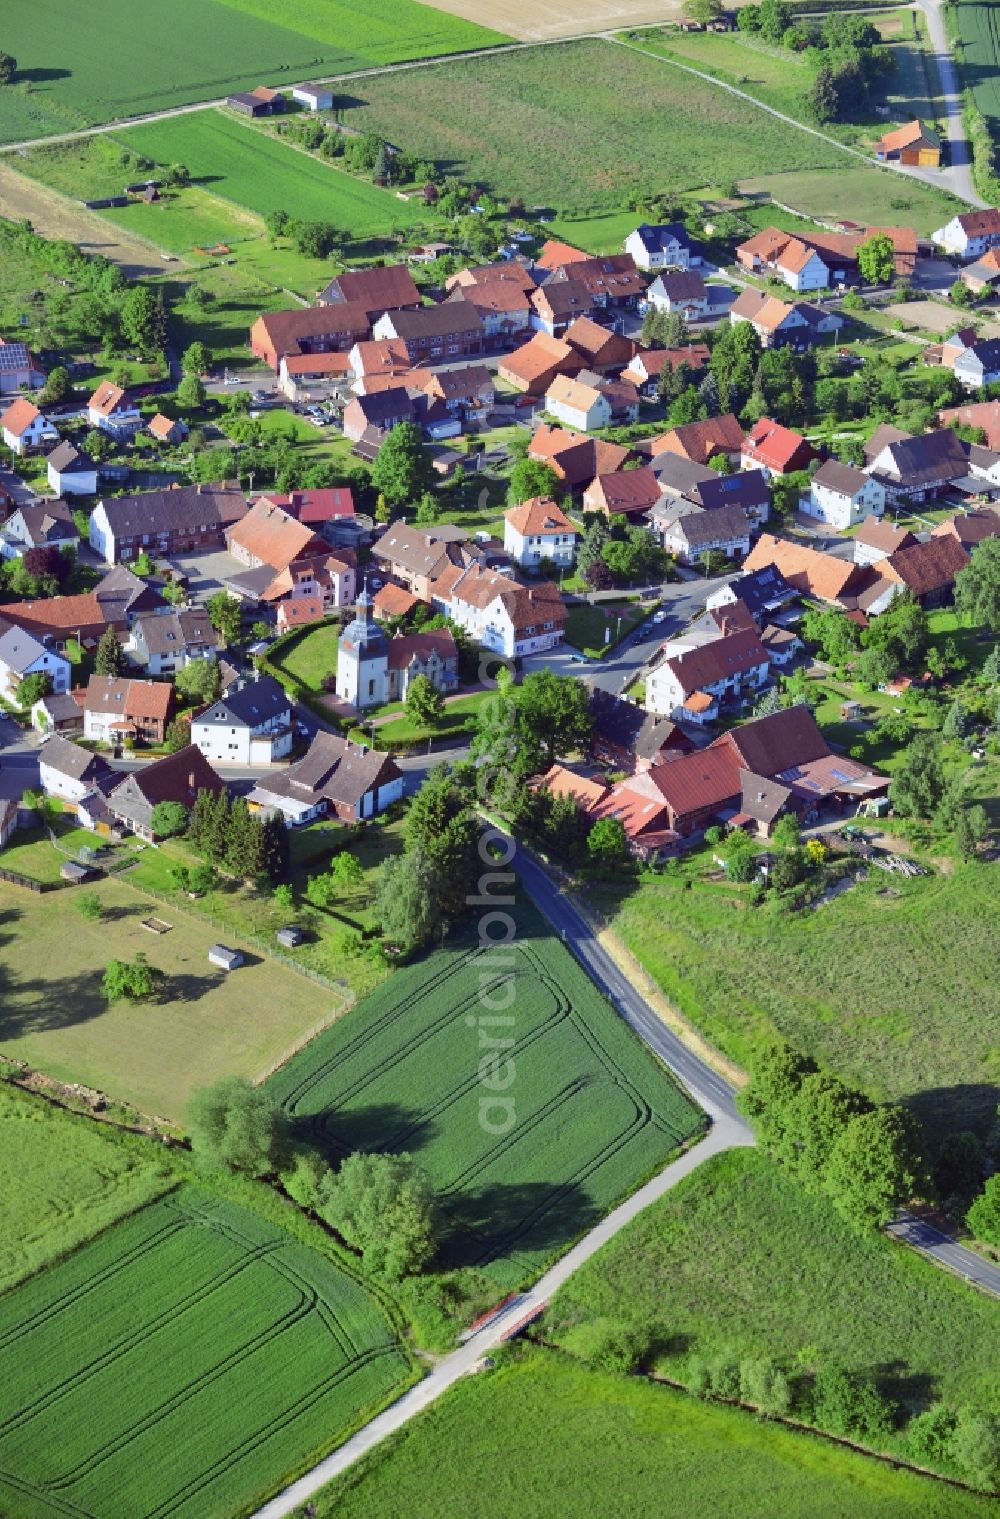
192 781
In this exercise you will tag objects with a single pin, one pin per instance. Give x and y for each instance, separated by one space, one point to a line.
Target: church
373 668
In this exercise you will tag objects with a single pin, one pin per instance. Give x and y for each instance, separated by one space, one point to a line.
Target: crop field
521 1171
78 69
579 1443
252 169
204 1024
739 1259
894 991
182 1364
979 30
559 18
65 1178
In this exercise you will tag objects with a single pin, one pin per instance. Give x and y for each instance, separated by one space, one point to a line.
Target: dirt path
54 215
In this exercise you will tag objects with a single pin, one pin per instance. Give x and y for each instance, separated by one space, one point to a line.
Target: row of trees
227 833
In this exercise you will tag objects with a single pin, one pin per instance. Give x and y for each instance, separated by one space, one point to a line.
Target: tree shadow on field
41 76
913 1390
945 1110
505 1219
45 1004
386 1128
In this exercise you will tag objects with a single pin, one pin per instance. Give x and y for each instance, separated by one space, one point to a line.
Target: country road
958 174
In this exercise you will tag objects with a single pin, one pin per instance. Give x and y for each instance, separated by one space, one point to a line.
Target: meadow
65 1178
77 70
579 1444
54 1016
857 193
587 1116
739 1260
574 138
893 989
182 1363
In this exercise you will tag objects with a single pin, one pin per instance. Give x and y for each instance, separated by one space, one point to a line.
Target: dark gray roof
18 648
188 509
762 798
930 456
680 475
748 488
705 527
762 588
987 351
437 321
120 592
255 703
680 285
67 459
14 356
334 769
841 477
69 759
48 521
628 726
174 632
655 239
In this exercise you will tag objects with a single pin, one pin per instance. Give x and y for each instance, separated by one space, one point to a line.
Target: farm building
912 144
224 957
258 102
315 97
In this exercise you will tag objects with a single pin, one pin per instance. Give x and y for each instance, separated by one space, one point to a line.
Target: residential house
70 472
315 97
375 291
299 611
665 246
761 592
309 330
19 369
913 144
558 303
463 392
775 449
377 361
724 669
415 557
970 235
916 469
626 737
312 376
532 367
68 771
25 428
979 364
555 255
682 291
925 570
878 539
165 643
822 576
167 430
539 530
577 404
504 309
258 102
984 275
391 601
435 334
22 654
269 535
647 366
843 496
122 597
58 619
621 395
577 460
680 479
250 725
174 778
690 533
984 414
327 577
62 713
116 708
433 655
512 271
612 281
47 524
701 441
601 350
113 412
320 509
336 778
165 522
508 619
778 324
969 528
801 267
629 493
378 413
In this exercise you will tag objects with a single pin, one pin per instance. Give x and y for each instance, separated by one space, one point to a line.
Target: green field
979 30
860 194
587 625
738 1259
591 1113
78 68
54 1015
895 990
183 1363
574 139
65 1178
252 169
542 1439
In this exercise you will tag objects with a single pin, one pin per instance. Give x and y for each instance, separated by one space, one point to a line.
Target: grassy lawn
518 1177
186 1360
144 57
672 1455
206 1024
32 853
458 717
65 1178
309 656
738 1259
858 193
891 987
586 625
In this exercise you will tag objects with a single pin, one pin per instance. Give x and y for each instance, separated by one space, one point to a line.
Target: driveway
206 572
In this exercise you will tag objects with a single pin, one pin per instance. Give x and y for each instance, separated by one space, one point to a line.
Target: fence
14 879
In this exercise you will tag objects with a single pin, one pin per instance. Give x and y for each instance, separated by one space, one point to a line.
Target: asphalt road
946 1252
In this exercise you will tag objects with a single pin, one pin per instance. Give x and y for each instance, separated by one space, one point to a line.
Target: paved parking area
206 571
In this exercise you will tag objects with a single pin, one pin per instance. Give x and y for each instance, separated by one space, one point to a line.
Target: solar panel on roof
13 356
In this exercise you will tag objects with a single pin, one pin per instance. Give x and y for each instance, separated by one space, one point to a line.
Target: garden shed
224 957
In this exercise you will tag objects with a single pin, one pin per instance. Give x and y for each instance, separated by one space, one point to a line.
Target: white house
667 246
165 642
71 473
507 618
689 532
111 410
682 291
22 654
538 529
970 235
577 405
978 364
843 496
693 679
25 427
801 268
315 97
68 771
250 725
338 778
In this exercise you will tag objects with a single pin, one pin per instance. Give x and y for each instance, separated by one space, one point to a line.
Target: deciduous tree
384 1205
236 1125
